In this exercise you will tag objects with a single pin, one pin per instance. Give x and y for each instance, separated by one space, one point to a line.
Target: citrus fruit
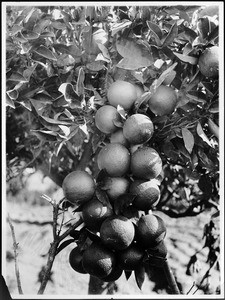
75 260
139 89
115 186
209 62
122 93
117 232
98 260
130 258
78 187
147 193
163 101
118 137
115 159
138 129
105 118
150 230
94 213
159 250
146 163
114 274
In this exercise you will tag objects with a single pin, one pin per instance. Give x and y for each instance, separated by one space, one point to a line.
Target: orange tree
60 64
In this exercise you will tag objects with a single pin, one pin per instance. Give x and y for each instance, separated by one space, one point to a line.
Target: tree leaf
103 197
118 26
202 134
140 275
214 34
186 58
70 94
42 97
10 102
171 35
188 139
64 244
45 52
30 35
204 27
47 34
17 77
80 82
134 55
155 29
122 202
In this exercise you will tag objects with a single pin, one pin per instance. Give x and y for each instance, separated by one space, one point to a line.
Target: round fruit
150 230
163 101
78 187
159 250
118 138
138 129
117 232
116 186
115 159
94 213
140 90
209 62
75 260
146 163
122 93
114 274
147 193
130 258
105 118
98 260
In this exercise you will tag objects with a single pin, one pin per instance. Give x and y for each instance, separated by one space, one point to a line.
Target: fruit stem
170 278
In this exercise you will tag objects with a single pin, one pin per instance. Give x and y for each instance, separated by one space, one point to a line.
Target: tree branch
15 248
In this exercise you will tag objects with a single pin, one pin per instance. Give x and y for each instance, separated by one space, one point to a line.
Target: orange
75 260
151 230
146 163
147 193
98 260
115 159
114 274
118 138
131 257
163 101
115 186
159 250
117 232
94 213
138 129
78 187
105 117
122 93
209 62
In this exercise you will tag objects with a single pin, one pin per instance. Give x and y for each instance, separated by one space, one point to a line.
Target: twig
15 248
170 278
193 285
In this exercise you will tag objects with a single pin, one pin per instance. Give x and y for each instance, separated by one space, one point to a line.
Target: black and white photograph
112 150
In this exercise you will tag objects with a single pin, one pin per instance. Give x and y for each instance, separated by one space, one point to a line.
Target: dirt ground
34 234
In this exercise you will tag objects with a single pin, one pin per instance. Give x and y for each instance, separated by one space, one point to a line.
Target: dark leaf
41 25
122 202
42 97
10 102
64 244
127 274
155 29
186 58
213 34
30 35
203 26
206 185
58 25
93 236
102 175
140 275
47 34
45 52
171 35
103 197
188 139
44 135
